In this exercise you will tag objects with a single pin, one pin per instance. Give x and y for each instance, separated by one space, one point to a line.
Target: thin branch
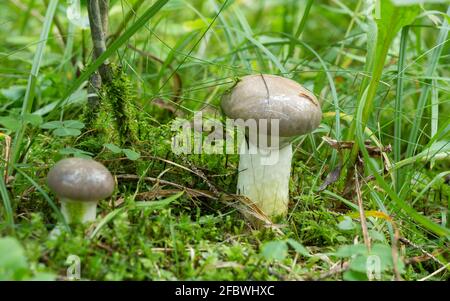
98 38
104 11
95 83
335 270
362 215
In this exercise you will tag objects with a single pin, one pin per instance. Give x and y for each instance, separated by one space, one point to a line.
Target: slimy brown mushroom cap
265 96
80 179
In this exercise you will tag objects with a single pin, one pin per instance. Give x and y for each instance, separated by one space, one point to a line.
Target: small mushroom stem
264 177
76 212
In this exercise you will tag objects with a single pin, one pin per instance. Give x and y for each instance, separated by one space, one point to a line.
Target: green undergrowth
192 238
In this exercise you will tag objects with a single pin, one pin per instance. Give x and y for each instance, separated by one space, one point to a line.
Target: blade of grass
26 16
337 109
381 34
266 51
300 28
229 37
141 22
434 112
194 46
50 202
439 150
430 184
9 214
248 31
415 126
29 93
431 68
131 13
138 205
398 201
399 106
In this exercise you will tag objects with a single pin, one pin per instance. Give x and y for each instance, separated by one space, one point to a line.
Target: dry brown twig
410 243
362 215
240 203
338 268
374 151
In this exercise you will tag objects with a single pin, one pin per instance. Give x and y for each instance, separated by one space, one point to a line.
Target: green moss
116 119
119 99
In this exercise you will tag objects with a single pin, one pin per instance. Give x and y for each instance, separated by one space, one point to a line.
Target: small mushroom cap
80 179
265 96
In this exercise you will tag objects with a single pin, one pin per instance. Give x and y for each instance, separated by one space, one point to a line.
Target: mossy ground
194 238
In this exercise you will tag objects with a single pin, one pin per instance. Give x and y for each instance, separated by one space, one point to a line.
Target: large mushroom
79 184
269 97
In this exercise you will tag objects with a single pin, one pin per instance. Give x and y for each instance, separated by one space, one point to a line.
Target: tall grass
6 200
113 47
31 86
413 139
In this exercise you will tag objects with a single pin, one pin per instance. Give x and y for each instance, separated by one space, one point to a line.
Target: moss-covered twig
97 23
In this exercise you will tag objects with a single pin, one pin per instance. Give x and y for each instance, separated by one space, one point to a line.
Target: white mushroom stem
78 212
264 177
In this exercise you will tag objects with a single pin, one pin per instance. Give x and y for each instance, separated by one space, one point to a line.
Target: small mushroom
270 97
79 184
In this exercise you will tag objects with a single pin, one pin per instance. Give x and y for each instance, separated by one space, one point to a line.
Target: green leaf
375 235
76 152
112 147
52 125
64 132
275 250
73 124
14 92
199 23
359 264
389 22
381 254
14 123
10 123
393 18
346 224
156 204
33 119
298 247
384 252
13 263
131 154
350 250
8 211
352 275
